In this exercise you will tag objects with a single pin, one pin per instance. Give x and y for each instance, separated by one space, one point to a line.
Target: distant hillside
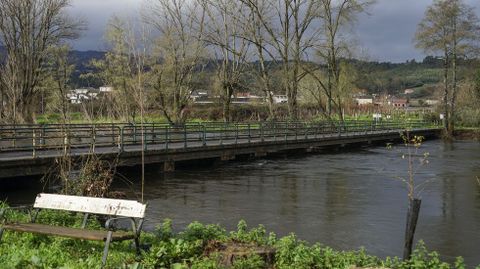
83 58
394 78
375 77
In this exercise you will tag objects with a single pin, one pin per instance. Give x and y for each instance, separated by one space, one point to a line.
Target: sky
385 34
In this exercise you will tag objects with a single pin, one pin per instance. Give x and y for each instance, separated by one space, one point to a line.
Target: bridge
29 150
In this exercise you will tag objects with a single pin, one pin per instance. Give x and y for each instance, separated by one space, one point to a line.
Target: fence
38 138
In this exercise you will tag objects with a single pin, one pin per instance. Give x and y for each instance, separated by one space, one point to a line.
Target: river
346 199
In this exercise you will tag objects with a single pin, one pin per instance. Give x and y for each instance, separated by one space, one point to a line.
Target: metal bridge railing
121 137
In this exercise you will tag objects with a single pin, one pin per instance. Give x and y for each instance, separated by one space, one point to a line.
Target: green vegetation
192 248
394 78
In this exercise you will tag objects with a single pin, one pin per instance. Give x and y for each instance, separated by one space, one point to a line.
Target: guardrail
37 138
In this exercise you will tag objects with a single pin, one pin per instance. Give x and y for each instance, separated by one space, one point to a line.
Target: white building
78 96
432 102
280 99
106 89
363 101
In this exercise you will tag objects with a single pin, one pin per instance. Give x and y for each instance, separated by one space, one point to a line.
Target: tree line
158 58
162 52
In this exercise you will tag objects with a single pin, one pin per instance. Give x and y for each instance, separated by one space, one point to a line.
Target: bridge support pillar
260 154
226 156
169 166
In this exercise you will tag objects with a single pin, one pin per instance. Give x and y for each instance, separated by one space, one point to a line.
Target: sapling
415 160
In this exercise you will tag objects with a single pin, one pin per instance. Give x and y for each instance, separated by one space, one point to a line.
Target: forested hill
379 77
375 77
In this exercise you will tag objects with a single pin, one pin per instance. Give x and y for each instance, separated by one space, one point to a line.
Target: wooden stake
412 219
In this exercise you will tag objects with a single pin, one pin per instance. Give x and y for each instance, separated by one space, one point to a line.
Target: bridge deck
29 156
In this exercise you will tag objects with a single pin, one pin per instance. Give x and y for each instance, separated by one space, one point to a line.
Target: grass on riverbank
188 249
79 118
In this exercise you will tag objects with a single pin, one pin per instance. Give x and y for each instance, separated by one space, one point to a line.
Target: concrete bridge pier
169 166
228 156
260 154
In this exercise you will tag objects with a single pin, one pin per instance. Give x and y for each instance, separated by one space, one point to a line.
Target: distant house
409 91
246 98
381 100
106 89
364 100
399 102
432 102
280 99
81 95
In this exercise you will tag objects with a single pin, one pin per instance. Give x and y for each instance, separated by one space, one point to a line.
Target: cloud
386 34
96 13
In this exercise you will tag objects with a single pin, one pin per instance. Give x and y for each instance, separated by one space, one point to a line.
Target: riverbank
198 246
472 134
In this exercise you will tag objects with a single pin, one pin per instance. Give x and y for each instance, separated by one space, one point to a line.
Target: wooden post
412 219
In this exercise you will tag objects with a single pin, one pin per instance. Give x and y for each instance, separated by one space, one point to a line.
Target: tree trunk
271 107
446 111
451 124
292 103
226 104
412 219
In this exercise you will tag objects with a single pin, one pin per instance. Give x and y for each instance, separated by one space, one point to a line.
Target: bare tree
452 28
255 33
131 41
60 70
288 24
224 33
27 29
334 17
117 69
181 45
138 44
258 36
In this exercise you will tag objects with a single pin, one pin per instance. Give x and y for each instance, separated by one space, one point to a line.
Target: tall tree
288 24
117 69
258 36
60 69
335 16
452 28
131 50
224 31
28 28
181 46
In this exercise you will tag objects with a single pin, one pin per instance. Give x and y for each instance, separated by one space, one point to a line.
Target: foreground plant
192 248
